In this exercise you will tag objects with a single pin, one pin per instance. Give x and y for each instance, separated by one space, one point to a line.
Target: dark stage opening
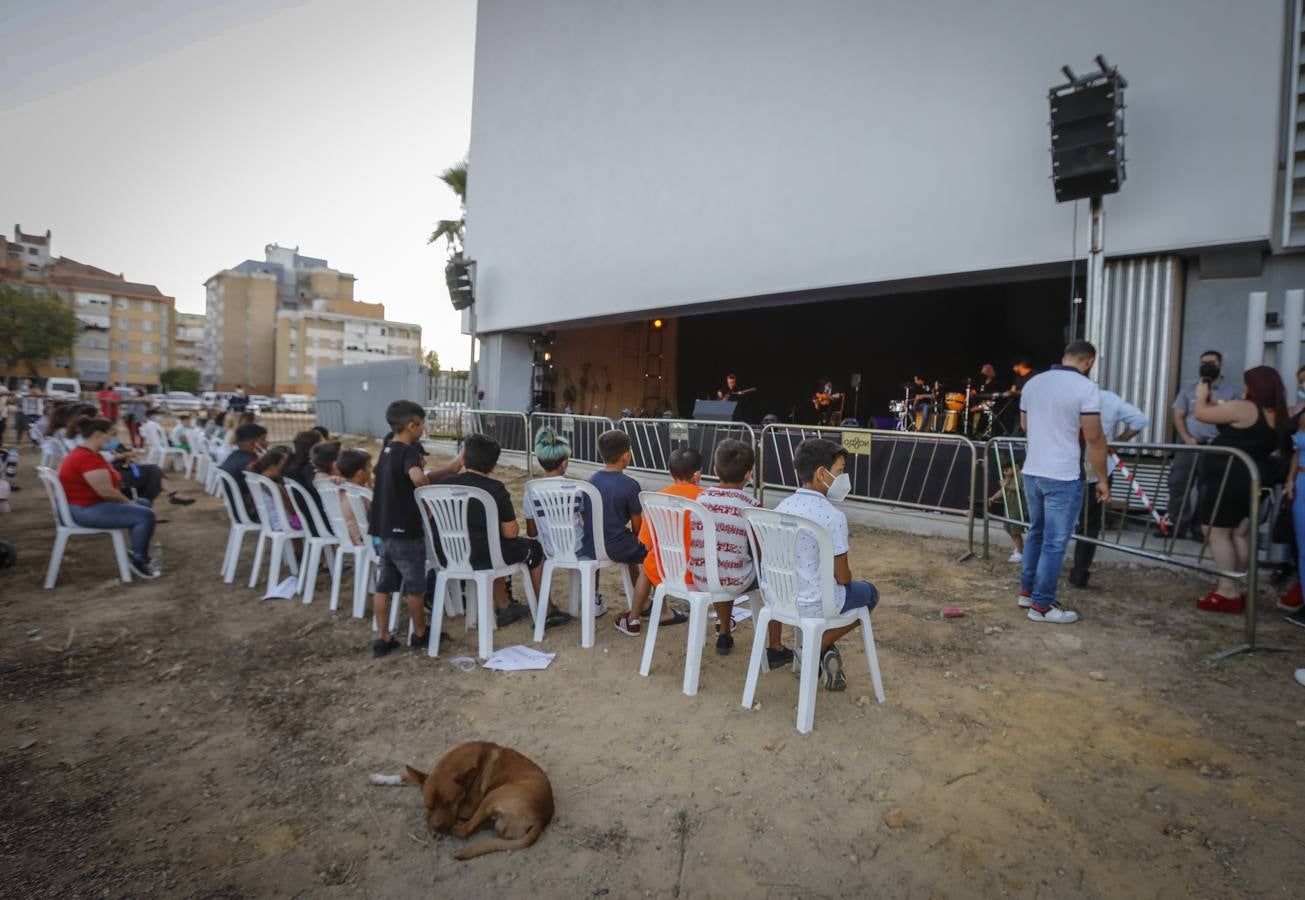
946 335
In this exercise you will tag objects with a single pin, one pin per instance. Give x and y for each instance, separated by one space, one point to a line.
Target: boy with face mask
820 465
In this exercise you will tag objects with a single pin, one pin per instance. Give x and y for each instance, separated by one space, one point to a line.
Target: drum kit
920 411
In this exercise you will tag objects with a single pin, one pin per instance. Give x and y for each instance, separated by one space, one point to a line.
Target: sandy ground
183 738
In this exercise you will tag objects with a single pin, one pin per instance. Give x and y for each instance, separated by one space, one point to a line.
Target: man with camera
1182 482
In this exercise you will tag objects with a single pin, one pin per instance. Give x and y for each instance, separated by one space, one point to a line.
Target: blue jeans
138 517
860 594
1298 522
1053 510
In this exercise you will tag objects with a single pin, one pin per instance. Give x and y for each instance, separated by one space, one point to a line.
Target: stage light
548 356
1069 73
657 323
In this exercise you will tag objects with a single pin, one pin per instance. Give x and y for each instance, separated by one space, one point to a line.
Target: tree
431 360
453 230
180 378
33 329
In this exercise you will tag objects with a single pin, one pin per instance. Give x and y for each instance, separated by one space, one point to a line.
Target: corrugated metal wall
1136 333
366 389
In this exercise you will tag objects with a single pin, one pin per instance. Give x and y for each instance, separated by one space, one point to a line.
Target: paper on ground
518 659
742 609
283 591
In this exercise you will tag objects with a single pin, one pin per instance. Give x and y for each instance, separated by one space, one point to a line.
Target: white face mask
840 487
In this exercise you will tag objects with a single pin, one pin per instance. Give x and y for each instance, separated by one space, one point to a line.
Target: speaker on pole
1087 134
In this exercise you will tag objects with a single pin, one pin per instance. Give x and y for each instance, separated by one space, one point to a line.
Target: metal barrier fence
653 440
581 431
283 424
1226 481
510 429
903 469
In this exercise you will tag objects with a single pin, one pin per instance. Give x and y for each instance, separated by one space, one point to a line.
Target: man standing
1182 480
108 402
1056 407
1115 411
238 401
31 406
1006 415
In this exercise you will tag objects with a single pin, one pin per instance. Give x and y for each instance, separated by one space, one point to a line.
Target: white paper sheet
742 609
518 659
283 591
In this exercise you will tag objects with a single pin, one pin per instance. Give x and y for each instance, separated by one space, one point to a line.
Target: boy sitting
621 507
819 465
480 457
685 466
726 502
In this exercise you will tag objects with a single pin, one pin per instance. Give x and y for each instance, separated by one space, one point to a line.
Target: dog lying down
479 782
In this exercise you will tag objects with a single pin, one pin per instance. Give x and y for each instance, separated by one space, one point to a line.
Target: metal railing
1136 522
283 424
581 431
653 440
901 469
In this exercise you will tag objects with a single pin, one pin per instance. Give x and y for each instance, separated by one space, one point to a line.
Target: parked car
180 401
63 388
298 403
259 404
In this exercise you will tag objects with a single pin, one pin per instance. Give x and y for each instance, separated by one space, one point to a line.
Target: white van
63 388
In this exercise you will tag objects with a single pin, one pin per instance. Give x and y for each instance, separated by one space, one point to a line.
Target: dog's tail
493 845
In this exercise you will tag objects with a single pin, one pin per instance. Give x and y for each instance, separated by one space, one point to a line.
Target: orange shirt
686 489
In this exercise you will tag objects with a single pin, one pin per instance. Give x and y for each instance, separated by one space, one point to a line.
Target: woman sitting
272 465
1257 426
94 500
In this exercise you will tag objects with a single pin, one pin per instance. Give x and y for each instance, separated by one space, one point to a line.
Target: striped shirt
733 556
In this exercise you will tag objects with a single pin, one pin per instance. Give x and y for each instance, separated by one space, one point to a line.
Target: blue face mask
112 445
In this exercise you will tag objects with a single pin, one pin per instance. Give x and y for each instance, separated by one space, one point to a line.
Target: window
122 346
122 303
146 347
148 325
31 251
147 368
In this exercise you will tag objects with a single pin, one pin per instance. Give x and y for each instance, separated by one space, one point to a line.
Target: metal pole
472 379
1096 265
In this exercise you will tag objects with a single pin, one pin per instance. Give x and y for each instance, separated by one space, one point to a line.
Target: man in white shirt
1057 406
1121 421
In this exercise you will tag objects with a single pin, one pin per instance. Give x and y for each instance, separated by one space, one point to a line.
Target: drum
897 407
955 401
952 421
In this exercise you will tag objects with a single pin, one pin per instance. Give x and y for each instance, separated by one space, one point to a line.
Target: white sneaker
1300 676
600 606
1056 615
1015 556
1026 601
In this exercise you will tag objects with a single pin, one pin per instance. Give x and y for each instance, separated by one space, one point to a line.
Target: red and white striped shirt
733 557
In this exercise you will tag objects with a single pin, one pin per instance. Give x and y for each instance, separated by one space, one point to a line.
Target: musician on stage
922 400
732 390
828 403
1009 412
982 392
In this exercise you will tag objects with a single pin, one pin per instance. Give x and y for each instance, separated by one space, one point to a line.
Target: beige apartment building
187 341
271 324
126 335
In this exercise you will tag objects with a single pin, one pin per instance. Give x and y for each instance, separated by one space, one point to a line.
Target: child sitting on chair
272 465
622 514
553 452
685 466
820 465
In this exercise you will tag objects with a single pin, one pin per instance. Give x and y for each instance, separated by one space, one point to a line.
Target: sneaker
177 500
1015 556
381 648
1218 603
777 659
1056 614
724 644
1297 618
1300 677
1292 600
1026 599
556 618
510 613
419 642
600 606
143 568
831 670
625 626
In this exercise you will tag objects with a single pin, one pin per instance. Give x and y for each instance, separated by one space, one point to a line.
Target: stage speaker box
1087 137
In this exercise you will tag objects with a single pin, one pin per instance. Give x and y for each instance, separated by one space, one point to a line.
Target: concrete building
126 335
188 341
270 324
860 189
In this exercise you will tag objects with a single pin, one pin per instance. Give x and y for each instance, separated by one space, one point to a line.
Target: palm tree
449 229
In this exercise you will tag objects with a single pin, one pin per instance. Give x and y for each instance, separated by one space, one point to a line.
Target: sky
169 139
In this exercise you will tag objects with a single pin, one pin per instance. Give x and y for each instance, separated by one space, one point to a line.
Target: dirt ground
183 738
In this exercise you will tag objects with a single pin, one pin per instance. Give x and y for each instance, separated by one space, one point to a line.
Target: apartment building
126 335
271 323
188 341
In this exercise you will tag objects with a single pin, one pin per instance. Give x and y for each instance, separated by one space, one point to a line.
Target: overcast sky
169 139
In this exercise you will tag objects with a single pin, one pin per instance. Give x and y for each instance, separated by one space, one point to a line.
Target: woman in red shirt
94 500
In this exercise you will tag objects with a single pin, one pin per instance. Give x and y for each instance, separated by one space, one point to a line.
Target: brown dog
478 782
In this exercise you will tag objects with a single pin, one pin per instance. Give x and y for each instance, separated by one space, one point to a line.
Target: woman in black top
1257 426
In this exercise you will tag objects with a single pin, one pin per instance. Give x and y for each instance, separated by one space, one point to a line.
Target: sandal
625 626
553 619
677 618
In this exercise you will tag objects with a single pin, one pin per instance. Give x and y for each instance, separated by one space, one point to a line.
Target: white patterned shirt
733 555
815 506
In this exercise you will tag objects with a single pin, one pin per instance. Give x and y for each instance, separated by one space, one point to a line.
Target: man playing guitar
732 390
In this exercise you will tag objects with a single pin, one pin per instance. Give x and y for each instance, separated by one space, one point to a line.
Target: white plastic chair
447 506
217 453
357 497
318 539
773 537
268 502
65 528
158 451
197 460
668 517
241 523
553 503
333 499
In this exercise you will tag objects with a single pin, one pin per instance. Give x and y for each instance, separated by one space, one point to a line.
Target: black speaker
1087 136
457 274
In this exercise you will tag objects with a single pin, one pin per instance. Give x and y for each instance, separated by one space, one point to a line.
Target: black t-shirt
394 508
234 465
476 513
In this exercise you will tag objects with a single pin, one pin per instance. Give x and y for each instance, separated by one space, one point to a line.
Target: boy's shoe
777 659
177 500
510 613
724 644
1015 556
600 606
1056 614
625 626
1026 599
556 618
143 568
831 670
1297 618
1213 602
382 648
419 642
1292 600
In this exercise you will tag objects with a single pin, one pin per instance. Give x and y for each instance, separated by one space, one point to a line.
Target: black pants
144 479
1085 552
